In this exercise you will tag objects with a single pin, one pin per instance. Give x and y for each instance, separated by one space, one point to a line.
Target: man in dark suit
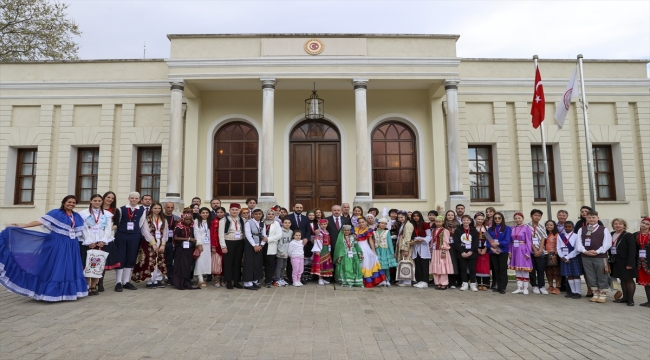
300 222
214 204
334 224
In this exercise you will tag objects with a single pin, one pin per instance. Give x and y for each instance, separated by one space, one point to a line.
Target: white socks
575 285
127 275
118 275
200 277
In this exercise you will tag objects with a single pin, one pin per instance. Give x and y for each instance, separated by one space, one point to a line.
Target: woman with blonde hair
622 261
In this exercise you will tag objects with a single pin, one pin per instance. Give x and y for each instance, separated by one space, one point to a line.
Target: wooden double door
315 165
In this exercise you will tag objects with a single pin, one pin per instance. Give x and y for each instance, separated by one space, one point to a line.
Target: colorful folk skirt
371 270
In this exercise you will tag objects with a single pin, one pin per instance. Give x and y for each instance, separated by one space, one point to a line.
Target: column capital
177 85
268 83
452 84
360 83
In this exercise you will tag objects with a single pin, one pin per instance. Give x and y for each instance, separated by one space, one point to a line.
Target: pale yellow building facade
451 109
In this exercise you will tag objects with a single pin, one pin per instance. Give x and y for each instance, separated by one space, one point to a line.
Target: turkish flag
539 104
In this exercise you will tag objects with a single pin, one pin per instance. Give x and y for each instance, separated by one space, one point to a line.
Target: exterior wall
120 105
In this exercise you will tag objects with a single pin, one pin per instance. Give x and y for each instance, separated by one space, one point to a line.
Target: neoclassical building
397 121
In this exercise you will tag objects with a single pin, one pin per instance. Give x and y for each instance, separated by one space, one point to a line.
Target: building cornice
294 61
310 35
71 85
317 75
496 82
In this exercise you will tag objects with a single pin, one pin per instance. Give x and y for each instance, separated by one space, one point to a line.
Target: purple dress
520 247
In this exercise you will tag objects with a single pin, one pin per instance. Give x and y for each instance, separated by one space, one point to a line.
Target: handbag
552 259
196 254
216 265
95 261
405 270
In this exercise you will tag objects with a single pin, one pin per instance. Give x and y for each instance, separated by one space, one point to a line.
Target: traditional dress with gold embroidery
149 265
346 256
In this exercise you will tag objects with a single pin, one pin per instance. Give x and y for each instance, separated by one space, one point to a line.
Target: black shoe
160 285
502 292
620 301
130 286
118 287
100 285
568 294
576 296
256 286
647 304
229 285
238 286
251 287
630 303
495 290
151 286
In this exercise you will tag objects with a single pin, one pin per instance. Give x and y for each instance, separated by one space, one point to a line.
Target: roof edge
333 35
81 61
559 60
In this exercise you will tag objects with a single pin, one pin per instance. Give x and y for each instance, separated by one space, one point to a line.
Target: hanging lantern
314 106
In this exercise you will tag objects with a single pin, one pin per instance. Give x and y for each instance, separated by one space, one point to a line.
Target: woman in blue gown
45 266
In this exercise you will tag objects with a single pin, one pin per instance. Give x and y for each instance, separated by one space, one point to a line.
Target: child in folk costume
593 242
404 241
97 232
483 260
203 264
441 265
297 255
150 265
384 248
255 240
217 254
348 256
321 264
552 271
570 260
520 249
420 250
373 274
184 246
282 254
451 223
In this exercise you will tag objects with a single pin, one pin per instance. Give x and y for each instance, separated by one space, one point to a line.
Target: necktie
298 219
338 224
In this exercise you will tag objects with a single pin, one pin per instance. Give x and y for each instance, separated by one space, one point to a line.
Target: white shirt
571 238
296 249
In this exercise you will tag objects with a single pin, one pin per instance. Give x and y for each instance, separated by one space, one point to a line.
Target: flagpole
587 139
547 187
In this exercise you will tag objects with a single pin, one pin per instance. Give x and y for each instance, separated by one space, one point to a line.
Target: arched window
394 161
235 161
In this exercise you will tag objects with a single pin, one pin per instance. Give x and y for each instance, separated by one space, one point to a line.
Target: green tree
36 30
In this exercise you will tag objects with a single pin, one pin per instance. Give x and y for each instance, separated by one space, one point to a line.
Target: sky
119 29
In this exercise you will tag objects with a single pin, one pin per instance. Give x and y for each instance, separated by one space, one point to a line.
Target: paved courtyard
321 323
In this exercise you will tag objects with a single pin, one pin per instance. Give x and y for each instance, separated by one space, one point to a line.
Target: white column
267 195
362 197
175 152
453 149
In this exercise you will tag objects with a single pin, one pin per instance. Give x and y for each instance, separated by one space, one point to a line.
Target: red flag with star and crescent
539 103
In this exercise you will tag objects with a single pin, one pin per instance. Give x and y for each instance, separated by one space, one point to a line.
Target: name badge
588 242
130 226
613 250
96 229
237 234
451 240
642 253
170 233
206 240
515 243
158 235
468 246
536 241
565 251
71 234
186 244
350 254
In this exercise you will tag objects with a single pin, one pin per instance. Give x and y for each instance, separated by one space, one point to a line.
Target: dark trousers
169 257
269 265
500 272
421 269
483 280
463 265
232 260
494 275
539 268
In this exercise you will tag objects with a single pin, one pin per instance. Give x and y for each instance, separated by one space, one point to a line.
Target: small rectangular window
604 173
148 173
539 179
87 169
481 177
25 177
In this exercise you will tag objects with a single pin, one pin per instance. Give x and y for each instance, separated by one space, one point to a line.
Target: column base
266 202
453 200
178 203
364 201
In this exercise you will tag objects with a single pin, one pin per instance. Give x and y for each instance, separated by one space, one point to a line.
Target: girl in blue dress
45 266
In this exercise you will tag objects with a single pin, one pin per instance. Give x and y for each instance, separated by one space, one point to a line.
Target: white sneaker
542 290
400 283
424 285
297 283
325 281
321 282
464 287
535 290
473 287
284 283
418 285
387 284
452 287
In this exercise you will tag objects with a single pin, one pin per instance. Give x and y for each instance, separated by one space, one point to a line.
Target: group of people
247 248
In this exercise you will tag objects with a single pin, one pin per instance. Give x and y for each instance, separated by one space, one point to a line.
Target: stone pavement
320 322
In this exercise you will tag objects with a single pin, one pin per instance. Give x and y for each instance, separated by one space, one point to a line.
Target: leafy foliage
36 30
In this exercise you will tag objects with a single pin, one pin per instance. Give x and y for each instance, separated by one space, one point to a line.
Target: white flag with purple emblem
570 92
